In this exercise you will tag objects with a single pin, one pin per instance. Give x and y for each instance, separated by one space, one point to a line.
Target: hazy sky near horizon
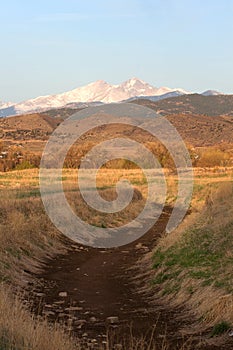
53 46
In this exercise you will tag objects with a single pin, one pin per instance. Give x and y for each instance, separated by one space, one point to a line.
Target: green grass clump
200 255
220 328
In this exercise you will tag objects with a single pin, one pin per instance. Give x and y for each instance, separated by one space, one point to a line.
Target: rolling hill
213 105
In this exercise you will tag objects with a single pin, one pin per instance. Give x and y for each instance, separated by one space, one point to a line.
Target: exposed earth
98 292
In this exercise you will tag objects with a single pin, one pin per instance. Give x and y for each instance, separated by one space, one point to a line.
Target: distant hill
23 138
196 130
29 131
192 104
203 130
61 113
33 121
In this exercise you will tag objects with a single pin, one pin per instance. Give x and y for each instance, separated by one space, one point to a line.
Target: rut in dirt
93 292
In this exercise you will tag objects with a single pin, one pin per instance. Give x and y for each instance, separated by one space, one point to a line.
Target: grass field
192 265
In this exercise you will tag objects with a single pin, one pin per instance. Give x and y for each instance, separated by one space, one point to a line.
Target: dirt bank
94 292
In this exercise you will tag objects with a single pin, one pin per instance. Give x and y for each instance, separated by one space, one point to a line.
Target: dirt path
87 286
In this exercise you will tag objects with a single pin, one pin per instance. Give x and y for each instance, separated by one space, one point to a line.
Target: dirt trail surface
93 291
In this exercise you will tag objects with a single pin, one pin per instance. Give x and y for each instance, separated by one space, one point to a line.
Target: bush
213 157
24 165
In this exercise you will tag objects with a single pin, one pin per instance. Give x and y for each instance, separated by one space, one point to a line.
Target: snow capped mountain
136 86
99 91
5 104
158 97
211 93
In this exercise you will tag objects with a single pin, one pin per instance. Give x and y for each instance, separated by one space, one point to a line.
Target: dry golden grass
26 235
194 263
20 330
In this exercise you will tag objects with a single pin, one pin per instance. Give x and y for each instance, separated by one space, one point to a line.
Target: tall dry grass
21 330
193 264
26 234
26 237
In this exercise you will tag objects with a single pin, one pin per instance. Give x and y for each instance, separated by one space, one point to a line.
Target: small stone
63 294
146 249
139 246
112 320
118 347
48 313
80 322
93 319
74 308
59 302
70 321
162 336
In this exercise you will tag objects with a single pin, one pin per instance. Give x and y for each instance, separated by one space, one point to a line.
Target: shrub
213 157
24 165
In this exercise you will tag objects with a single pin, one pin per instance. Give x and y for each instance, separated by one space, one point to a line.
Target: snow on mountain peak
134 82
211 93
5 104
98 91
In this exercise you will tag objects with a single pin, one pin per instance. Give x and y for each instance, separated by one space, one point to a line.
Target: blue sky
52 46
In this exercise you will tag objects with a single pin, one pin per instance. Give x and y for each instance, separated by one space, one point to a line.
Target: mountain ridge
96 93
192 104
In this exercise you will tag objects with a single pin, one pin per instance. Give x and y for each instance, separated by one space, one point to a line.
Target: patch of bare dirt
97 291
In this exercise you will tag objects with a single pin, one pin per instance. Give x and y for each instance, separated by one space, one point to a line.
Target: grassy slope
26 237
19 330
193 265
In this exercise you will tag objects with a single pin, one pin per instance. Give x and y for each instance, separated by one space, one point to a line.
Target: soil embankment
95 291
